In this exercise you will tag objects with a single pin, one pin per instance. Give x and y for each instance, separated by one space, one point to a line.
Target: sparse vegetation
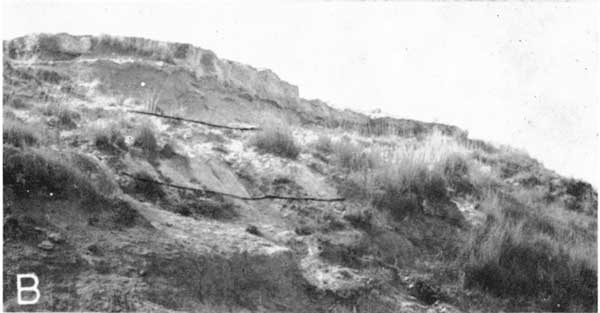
18 133
152 101
276 140
65 116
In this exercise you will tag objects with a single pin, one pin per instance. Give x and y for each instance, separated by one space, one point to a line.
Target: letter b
33 288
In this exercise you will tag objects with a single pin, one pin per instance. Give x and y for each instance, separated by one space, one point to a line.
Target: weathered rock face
250 83
203 63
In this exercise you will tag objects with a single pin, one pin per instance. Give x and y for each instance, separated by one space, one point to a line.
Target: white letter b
32 288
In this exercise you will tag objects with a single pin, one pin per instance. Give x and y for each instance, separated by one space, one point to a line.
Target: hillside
120 211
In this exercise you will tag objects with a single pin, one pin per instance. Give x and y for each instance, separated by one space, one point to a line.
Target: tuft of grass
402 188
276 140
66 117
352 157
19 134
145 139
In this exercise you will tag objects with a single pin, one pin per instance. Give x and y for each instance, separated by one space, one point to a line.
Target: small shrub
251 229
109 138
19 134
145 139
278 141
65 116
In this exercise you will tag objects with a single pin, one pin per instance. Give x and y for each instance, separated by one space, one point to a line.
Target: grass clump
17 103
109 138
144 185
401 189
278 141
522 253
145 139
30 172
65 116
19 134
402 177
352 157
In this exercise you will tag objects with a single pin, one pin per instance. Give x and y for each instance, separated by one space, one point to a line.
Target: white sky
524 74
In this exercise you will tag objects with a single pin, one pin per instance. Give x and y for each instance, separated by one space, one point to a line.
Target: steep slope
432 221
174 71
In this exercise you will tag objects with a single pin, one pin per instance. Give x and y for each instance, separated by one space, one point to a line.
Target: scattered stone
46 245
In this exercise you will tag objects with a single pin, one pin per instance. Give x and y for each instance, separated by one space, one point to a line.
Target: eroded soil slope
421 200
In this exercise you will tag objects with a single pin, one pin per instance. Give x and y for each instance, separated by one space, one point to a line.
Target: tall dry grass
399 177
524 251
277 140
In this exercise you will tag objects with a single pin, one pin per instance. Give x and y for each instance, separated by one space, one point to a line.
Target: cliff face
203 63
260 85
